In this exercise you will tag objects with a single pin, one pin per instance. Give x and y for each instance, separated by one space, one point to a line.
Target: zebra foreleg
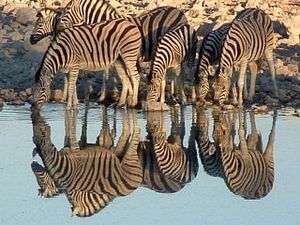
72 91
241 82
269 57
65 92
253 70
103 87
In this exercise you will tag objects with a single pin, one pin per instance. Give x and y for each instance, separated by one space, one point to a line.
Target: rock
17 102
297 111
269 101
1 103
8 94
25 16
16 36
23 95
28 91
56 95
292 69
287 111
260 109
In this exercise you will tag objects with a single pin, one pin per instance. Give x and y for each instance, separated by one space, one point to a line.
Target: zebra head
45 24
72 16
41 94
47 186
153 90
221 86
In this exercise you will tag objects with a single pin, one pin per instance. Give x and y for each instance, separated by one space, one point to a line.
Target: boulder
25 16
1 103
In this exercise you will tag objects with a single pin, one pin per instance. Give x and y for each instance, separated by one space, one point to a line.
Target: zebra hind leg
72 99
126 85
241 83
253 70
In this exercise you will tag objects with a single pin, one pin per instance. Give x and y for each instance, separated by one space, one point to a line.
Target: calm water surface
205 200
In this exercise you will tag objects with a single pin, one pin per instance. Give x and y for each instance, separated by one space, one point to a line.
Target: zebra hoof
155 106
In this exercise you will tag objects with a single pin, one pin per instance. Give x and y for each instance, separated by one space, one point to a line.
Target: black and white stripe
168 165
92 48
249 38
176 49
152 24
91 176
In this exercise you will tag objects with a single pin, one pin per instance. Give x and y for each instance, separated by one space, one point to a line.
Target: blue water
206 200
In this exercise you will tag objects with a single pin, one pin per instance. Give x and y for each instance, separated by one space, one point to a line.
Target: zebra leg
234 88
126 85
162 91
245 89
241 81
242 135
73 74
70 126
135 81
65 92
181 85
75 100
83 137
103 87
253 70
269 57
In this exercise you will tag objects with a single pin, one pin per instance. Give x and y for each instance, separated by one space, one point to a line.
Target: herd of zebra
90 35
91 175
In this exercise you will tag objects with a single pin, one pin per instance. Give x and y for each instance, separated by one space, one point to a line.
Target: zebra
209 54
247 169
91 176
153 24
176 49
249 38
45 25
209 153
168 166
86 47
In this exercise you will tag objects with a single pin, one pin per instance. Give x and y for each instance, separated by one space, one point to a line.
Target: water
206 199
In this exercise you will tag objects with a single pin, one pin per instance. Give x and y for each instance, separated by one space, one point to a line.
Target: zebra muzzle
34 39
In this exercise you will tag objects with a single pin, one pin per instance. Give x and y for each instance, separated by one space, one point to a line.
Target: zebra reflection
246 168
91 175
168 165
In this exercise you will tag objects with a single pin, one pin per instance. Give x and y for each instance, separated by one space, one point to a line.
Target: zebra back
152 24
87 12
155 23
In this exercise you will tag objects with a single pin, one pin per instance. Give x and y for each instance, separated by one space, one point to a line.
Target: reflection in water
247 170
168 165
91 175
